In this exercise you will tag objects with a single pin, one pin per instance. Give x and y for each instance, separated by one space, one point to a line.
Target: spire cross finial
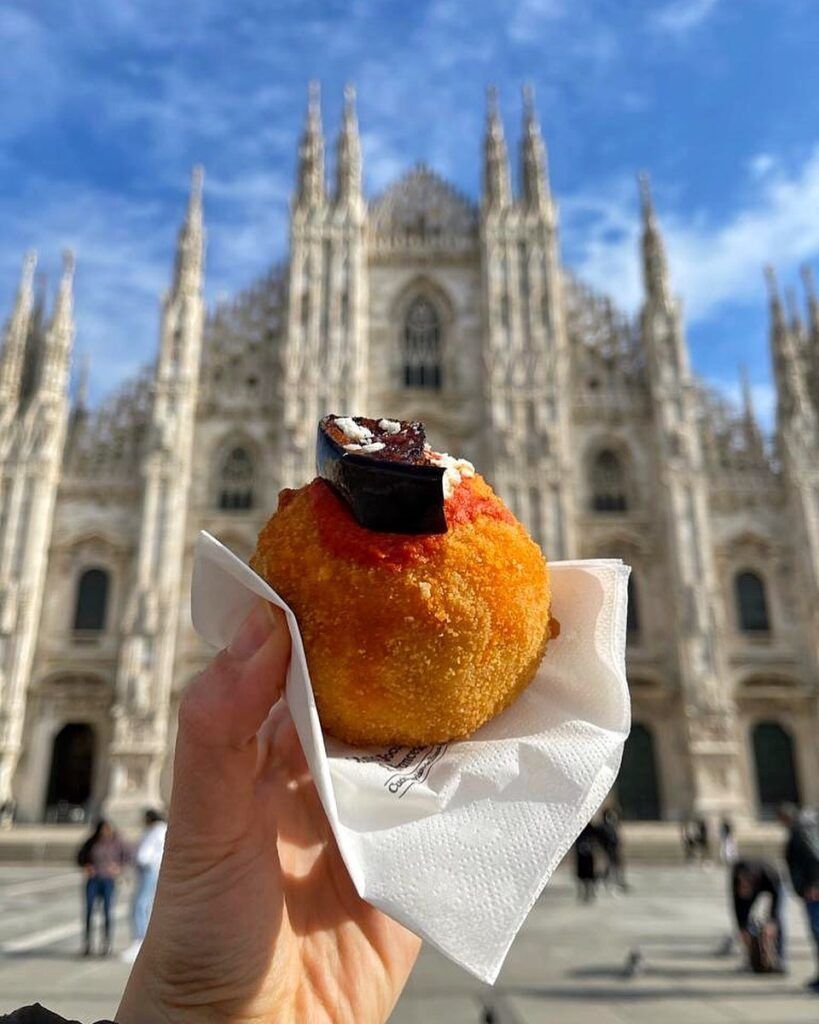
69 263
496 184
26 286
492 101
771 282
528 94
314 100
197 182
647 203
29 265
745 387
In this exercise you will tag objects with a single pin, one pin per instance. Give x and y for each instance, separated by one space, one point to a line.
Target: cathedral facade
417 304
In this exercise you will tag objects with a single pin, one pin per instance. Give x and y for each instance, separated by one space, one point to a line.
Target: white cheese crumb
389 426
426 589
454 470
352 447
376 446
348 426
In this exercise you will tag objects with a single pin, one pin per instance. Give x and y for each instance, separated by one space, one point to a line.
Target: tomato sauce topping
344 538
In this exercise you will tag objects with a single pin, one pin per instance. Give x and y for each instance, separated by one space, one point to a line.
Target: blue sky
106 104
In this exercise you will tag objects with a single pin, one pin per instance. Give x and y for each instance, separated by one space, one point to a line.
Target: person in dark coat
703 842
102 856
751 879
585 871
802 858
608 836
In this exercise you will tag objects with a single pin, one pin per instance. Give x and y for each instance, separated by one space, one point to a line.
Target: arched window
608 483
236 480
633 613
422 346
776 781
752 606
638 789
92 601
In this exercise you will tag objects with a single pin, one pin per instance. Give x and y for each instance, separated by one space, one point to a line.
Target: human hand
256 919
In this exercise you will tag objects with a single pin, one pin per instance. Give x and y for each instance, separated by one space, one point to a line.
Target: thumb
220 714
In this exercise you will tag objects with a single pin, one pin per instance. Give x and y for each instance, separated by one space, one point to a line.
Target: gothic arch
90 685
92 599
609 476
621 542
235 471
749 545
751 601
423 290
97 539
64 697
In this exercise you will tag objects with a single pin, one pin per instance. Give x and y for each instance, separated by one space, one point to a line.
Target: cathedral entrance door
776 781
638 791
72 772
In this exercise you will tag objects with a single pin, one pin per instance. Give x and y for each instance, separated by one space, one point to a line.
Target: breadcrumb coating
409 640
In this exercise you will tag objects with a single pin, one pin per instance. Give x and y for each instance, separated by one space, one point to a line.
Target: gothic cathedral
416 304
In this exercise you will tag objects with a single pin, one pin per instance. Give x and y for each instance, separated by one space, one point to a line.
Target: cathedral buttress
151 618
525 347
34 418
797 435
324 354
710 713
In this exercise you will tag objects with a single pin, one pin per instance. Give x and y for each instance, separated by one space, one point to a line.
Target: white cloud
761 165
712 263
681 16
529 19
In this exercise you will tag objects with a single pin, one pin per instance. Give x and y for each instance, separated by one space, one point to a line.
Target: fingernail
252 633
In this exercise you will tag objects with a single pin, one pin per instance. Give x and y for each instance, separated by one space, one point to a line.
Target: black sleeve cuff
37 1014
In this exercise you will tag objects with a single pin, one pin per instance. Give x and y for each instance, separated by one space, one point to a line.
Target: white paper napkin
456 841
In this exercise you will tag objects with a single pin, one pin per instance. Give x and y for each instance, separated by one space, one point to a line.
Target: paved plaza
566 967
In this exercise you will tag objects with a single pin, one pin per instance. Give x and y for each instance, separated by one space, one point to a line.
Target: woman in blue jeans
102 857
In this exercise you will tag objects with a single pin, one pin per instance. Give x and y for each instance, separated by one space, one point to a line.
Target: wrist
148 999
142 1003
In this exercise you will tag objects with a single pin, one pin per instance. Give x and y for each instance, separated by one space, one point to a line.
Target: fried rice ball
410 640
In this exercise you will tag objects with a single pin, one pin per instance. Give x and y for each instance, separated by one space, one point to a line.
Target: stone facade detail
419 303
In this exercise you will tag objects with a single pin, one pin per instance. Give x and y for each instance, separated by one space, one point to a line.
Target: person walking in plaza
688 838
765 943
728 852
102 856
608 835
147 858
585 870
702 840
802 858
